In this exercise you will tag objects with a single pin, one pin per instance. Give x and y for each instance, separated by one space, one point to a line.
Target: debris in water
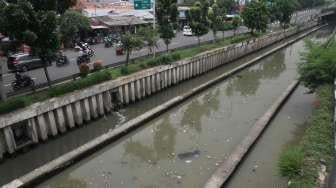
189 155
255 168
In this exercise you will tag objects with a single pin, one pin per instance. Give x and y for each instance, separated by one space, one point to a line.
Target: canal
183 147
178 149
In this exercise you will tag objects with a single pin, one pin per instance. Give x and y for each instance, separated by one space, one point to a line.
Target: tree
255 16
60 6
215 20
150 37
222 10
18 21
130 42
47 42
72 22
284 10
166 12
229 5
22 24
198 19
236 22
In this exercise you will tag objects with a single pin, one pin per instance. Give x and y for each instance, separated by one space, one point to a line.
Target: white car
187 31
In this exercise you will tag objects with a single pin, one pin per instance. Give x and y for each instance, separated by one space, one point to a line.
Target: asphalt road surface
109 57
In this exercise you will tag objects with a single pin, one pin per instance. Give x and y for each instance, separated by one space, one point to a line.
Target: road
109 57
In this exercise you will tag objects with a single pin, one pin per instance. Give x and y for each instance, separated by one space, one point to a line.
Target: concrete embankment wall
57 115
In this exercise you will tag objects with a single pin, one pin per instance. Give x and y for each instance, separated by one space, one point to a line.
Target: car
187 31
23 62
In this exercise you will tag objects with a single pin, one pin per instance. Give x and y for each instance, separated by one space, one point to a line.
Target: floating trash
189 155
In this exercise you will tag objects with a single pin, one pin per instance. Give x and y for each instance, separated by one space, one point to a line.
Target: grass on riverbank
112 73
301 163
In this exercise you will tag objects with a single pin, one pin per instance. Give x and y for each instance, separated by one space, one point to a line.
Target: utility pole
154 19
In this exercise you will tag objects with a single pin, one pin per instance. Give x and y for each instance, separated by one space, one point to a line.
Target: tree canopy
72 22
150 36
60 6
284 11
230 6
255 16
215 19
167 14
130 43
198 18
37 28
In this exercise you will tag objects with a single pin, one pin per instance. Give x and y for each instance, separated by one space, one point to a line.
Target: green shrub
124 70
318 65
152 62
11 105
90 80
291 161
176 56
84 69
97 65
164 59
143 65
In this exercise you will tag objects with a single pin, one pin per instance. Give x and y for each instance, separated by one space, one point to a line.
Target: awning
98 27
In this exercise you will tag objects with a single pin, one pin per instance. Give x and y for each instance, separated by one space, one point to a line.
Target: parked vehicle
92 40
119 48
22 81
187 31
108 41
24 62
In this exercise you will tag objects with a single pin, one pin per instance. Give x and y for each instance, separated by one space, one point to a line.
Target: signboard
142 4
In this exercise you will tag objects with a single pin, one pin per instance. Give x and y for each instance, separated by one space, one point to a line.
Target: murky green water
180 148
183 147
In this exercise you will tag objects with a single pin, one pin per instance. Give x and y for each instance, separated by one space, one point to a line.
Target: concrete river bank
178 149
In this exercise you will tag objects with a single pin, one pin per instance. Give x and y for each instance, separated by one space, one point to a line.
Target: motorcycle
61 60
83 59
108 42
22 81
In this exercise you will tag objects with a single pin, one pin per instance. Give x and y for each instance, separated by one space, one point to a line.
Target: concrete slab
42 127
77 111
69 116
60 120
10 141
52 123
100 103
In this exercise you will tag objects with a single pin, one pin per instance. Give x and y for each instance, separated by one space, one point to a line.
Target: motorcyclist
19 77
22 81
